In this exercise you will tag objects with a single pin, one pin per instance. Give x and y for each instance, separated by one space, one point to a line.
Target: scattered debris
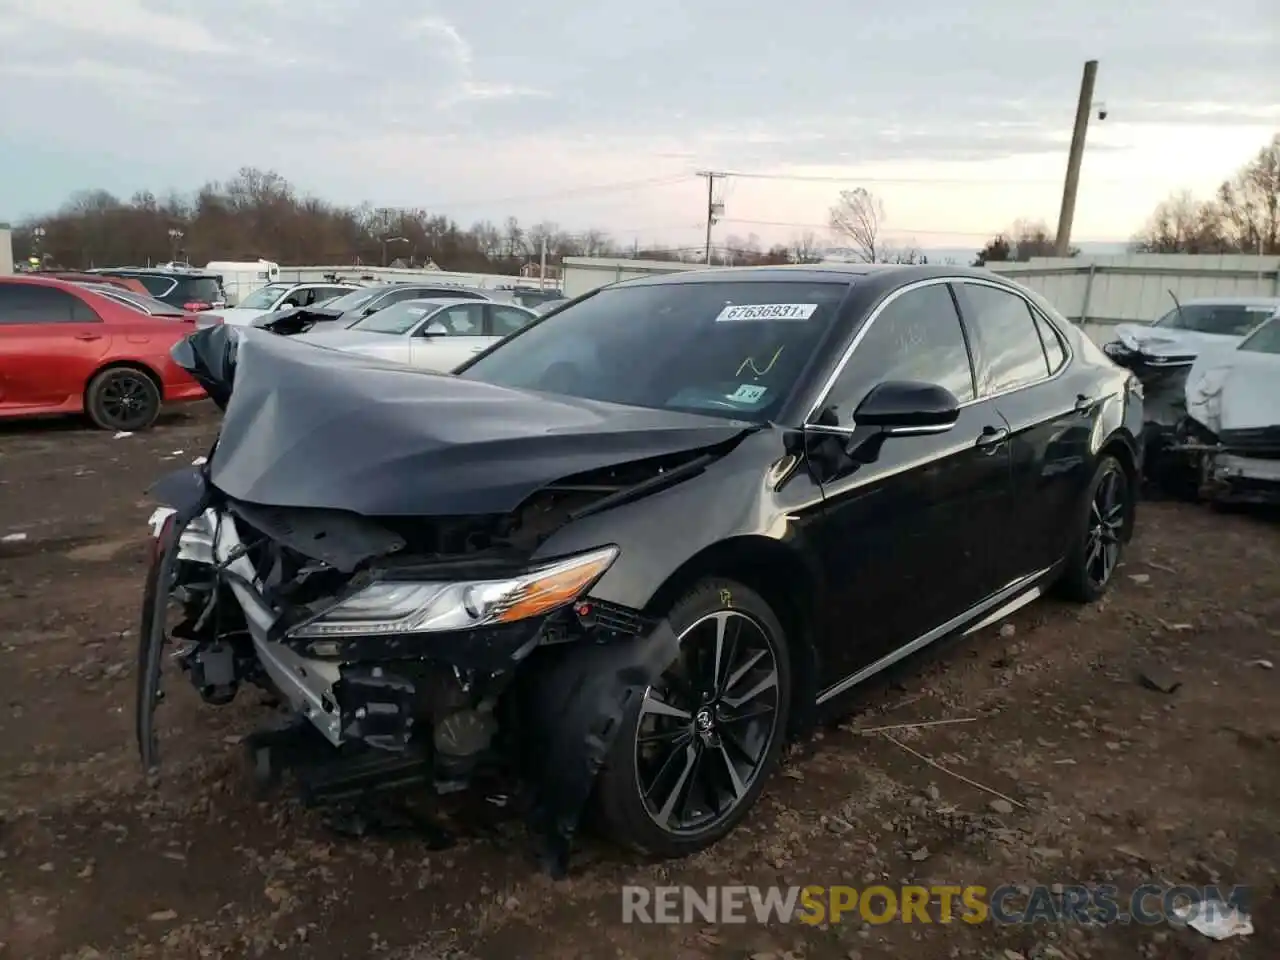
161 916
1140 577
951 773
1173 627
122 434
1159 566
1162 681
1008 630
1001 806
911 726
13 538
199 461
1264 664
1215 919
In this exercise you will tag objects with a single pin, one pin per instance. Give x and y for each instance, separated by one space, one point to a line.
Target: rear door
502 320
1021 362
50 344
449 338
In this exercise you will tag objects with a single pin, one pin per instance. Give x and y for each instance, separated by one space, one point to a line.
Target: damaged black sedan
626 553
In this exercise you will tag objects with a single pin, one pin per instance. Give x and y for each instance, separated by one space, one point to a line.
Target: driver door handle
1083 403
88 336
991 438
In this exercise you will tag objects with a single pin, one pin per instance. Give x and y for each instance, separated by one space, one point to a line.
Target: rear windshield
354 299
265 297
199 289
730 348
1224 319
141 303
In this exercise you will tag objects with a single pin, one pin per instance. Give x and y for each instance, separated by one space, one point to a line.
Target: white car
279 296
1233 397
1180 335
437 334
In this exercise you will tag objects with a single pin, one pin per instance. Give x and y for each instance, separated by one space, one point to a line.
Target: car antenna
1177 306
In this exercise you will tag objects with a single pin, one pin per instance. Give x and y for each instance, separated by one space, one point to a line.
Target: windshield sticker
748 393
766 311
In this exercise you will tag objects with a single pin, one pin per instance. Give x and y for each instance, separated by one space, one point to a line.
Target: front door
911 539
449 338
50 344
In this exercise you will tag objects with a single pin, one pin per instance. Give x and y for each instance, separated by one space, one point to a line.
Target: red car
67 349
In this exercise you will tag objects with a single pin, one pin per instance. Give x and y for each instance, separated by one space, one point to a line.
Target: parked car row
1212 405
90 348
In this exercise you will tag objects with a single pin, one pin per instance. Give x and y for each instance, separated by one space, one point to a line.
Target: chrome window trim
830 383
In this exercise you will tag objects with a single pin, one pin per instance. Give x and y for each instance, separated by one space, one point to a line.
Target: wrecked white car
1162 354
1231 432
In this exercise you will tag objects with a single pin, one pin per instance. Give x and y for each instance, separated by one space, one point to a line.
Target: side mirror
434 330
907 408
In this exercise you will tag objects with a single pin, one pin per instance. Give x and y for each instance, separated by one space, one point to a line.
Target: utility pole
1062 243
714 209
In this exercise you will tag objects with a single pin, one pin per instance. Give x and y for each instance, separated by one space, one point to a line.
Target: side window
1054 351
395 296
1007 345
28 303
507 320
463 320
916 337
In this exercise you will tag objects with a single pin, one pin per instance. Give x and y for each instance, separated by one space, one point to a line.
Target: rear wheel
693 753
122 398
1101 530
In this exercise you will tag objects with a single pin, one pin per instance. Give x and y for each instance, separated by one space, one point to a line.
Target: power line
856 178
981 234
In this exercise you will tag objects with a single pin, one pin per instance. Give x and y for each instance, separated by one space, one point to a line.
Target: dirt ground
1112 782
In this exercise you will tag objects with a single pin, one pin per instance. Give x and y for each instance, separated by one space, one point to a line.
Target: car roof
439 301
813 273
156 272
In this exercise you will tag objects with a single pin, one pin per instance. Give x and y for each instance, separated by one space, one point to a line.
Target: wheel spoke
654 705
673 798
768 682
743 670
739 788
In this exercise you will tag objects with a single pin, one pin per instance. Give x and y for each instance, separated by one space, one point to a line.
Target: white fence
483 281
1095 292
1100 292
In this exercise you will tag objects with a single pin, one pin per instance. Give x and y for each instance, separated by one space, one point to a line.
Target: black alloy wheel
1107 516
693 755
122 398
1103 530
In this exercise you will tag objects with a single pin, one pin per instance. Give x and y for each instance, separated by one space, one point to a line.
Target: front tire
693 754
1102 528
122 398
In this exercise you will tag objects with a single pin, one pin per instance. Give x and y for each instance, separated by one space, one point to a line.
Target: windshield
399 318
730 348
263 298
352 300
1224 319
1266 339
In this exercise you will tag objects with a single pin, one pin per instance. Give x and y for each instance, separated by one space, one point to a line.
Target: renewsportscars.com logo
1148 904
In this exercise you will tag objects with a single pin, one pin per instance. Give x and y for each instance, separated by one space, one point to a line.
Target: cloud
412 101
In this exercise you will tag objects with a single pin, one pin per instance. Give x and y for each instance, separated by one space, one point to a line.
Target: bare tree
859 216
805 248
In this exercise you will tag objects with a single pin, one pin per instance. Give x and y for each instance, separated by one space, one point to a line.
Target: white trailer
239 279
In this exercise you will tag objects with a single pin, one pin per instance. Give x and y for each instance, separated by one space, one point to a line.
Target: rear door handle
991 437
88 336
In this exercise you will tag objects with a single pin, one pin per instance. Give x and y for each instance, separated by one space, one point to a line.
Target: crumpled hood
1167 344
310 427
1235 390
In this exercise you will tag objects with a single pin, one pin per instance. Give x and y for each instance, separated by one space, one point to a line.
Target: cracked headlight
400 606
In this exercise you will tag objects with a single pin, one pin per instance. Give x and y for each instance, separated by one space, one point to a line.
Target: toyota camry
625 554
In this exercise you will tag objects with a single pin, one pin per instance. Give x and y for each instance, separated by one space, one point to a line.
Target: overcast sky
597 113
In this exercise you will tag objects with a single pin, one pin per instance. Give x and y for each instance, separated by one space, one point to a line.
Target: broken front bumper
565 704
